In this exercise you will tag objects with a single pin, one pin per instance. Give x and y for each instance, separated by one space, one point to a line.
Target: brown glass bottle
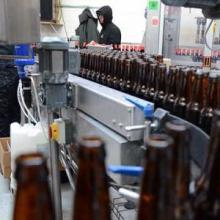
33 199
139 78
91 197
190 81
145 76
115 73
180 132
205 86
207 111
155 198
128 76
150 91
207 200
109 71
100 68
82 63
160 86
135 70
169 98
86 64
96 66
121 73
135 73
181 102
90 67
104 69
194 106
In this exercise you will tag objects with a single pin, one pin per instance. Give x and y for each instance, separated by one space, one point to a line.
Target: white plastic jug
26 139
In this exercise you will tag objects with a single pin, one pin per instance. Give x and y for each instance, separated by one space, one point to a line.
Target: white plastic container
26 139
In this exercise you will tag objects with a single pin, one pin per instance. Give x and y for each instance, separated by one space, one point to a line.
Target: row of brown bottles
33 198
165 184
207 200
186 92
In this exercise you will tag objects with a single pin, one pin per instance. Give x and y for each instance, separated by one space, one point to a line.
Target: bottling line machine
75 106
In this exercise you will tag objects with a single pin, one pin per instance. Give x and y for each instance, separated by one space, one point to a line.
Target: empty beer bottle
150 91
156 197
91 196
96 66
121 73
160 86
33 199
181 102
139 78
207 200
104 69
128 76
207 110
169 98
115 73
180 132
195 105
86 64
82 63
109 71
205 86
145 76
135 70
90 66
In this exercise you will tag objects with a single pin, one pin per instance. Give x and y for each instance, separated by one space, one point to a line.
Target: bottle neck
171 82
209 101
91 197
183 84
153 69
157 180
196 89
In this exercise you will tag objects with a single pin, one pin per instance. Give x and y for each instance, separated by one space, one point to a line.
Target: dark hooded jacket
87 29
110 33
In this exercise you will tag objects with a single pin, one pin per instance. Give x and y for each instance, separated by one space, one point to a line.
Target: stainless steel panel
108 106
3 34
19 21
119 150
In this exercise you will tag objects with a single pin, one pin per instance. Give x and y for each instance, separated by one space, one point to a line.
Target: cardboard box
5 157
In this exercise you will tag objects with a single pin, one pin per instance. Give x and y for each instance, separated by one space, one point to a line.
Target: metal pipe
72 163
68 173
55 174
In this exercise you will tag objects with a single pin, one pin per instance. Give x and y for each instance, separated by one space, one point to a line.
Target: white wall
127 15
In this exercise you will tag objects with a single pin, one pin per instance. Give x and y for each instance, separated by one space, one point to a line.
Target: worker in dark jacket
87 30
9 108
110 33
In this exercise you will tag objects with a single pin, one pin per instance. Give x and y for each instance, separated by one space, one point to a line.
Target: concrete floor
7 201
